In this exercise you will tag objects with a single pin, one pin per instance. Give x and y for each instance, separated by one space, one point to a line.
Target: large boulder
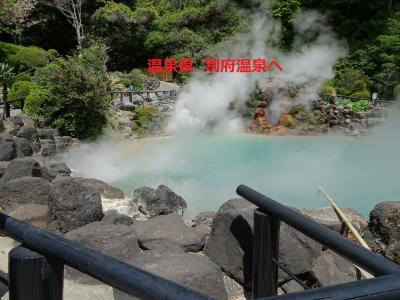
3 167
168 227
8 148
159 201
28 132
72 204
383 232
106 191
48 147
195 272
231 240
328 217
58 169
202 224
117 240
34 214
22 167
23 147
331 269
231 243
63 143
24 190
47 133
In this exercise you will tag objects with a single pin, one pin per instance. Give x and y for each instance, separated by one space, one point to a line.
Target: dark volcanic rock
27 132
160 201
48 148
331 269
23 147
116 219
8 148
168 227
231 240
72 204
25 190
47 133
34 214
58 169
195 272
231 243
22 167
162 247
383 233
119 241
202 224
105 190
63 143
3 167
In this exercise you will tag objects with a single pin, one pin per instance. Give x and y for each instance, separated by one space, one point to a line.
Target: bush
29 58
21 89
360 105
23 77
362 94
328 90
134 78
75 99
143 117
295 109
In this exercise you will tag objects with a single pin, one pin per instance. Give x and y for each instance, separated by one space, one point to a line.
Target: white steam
208 97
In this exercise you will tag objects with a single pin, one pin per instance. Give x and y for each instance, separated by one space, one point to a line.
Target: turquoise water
205 170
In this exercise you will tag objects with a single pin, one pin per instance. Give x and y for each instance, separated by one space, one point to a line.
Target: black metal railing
266 256
36 267
7 106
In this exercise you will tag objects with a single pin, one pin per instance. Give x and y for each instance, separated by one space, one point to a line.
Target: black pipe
107 269
384 287
364 258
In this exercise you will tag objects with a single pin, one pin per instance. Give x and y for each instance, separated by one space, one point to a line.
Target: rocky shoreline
211 254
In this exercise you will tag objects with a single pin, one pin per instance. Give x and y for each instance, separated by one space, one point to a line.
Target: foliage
134 78
362 94
357 106
73 96
295 109
142 118
21 89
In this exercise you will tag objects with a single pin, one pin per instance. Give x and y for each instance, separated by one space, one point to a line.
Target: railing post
33 276
265 249
7 108
131 97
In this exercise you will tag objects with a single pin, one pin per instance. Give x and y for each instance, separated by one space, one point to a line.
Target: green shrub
21 89
134 78
142 118
29 58
295 109
360 105
360 85
344 102
329 90
75 101
23 77
362 94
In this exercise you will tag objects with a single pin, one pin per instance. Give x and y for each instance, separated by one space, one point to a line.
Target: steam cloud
207 97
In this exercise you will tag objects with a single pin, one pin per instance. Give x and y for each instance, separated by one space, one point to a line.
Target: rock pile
151 83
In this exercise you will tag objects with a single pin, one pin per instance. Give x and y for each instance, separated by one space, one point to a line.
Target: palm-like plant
7 77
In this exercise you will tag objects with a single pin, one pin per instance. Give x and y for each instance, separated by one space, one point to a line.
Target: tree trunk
5 93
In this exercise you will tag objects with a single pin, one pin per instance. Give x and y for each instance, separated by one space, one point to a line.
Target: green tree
72 96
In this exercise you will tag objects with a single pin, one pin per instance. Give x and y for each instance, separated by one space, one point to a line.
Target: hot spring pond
205 170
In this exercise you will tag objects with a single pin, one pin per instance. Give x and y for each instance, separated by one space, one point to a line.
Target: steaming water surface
205 170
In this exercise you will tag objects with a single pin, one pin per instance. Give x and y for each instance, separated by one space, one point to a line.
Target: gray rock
47 133
9 126
119 241
35 147
28 132
327 216
116 219
331 269
22 167
58 169
231 240
25 190
162 247
168 227
202 224
383 233
373 122
23 147
48 147
63 143
160 201
195 272
292 287
3 167
8 148
72 204
126 106
107 191
34 214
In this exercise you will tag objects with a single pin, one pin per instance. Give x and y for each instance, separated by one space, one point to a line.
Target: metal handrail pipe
382 288
365 259
122 276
